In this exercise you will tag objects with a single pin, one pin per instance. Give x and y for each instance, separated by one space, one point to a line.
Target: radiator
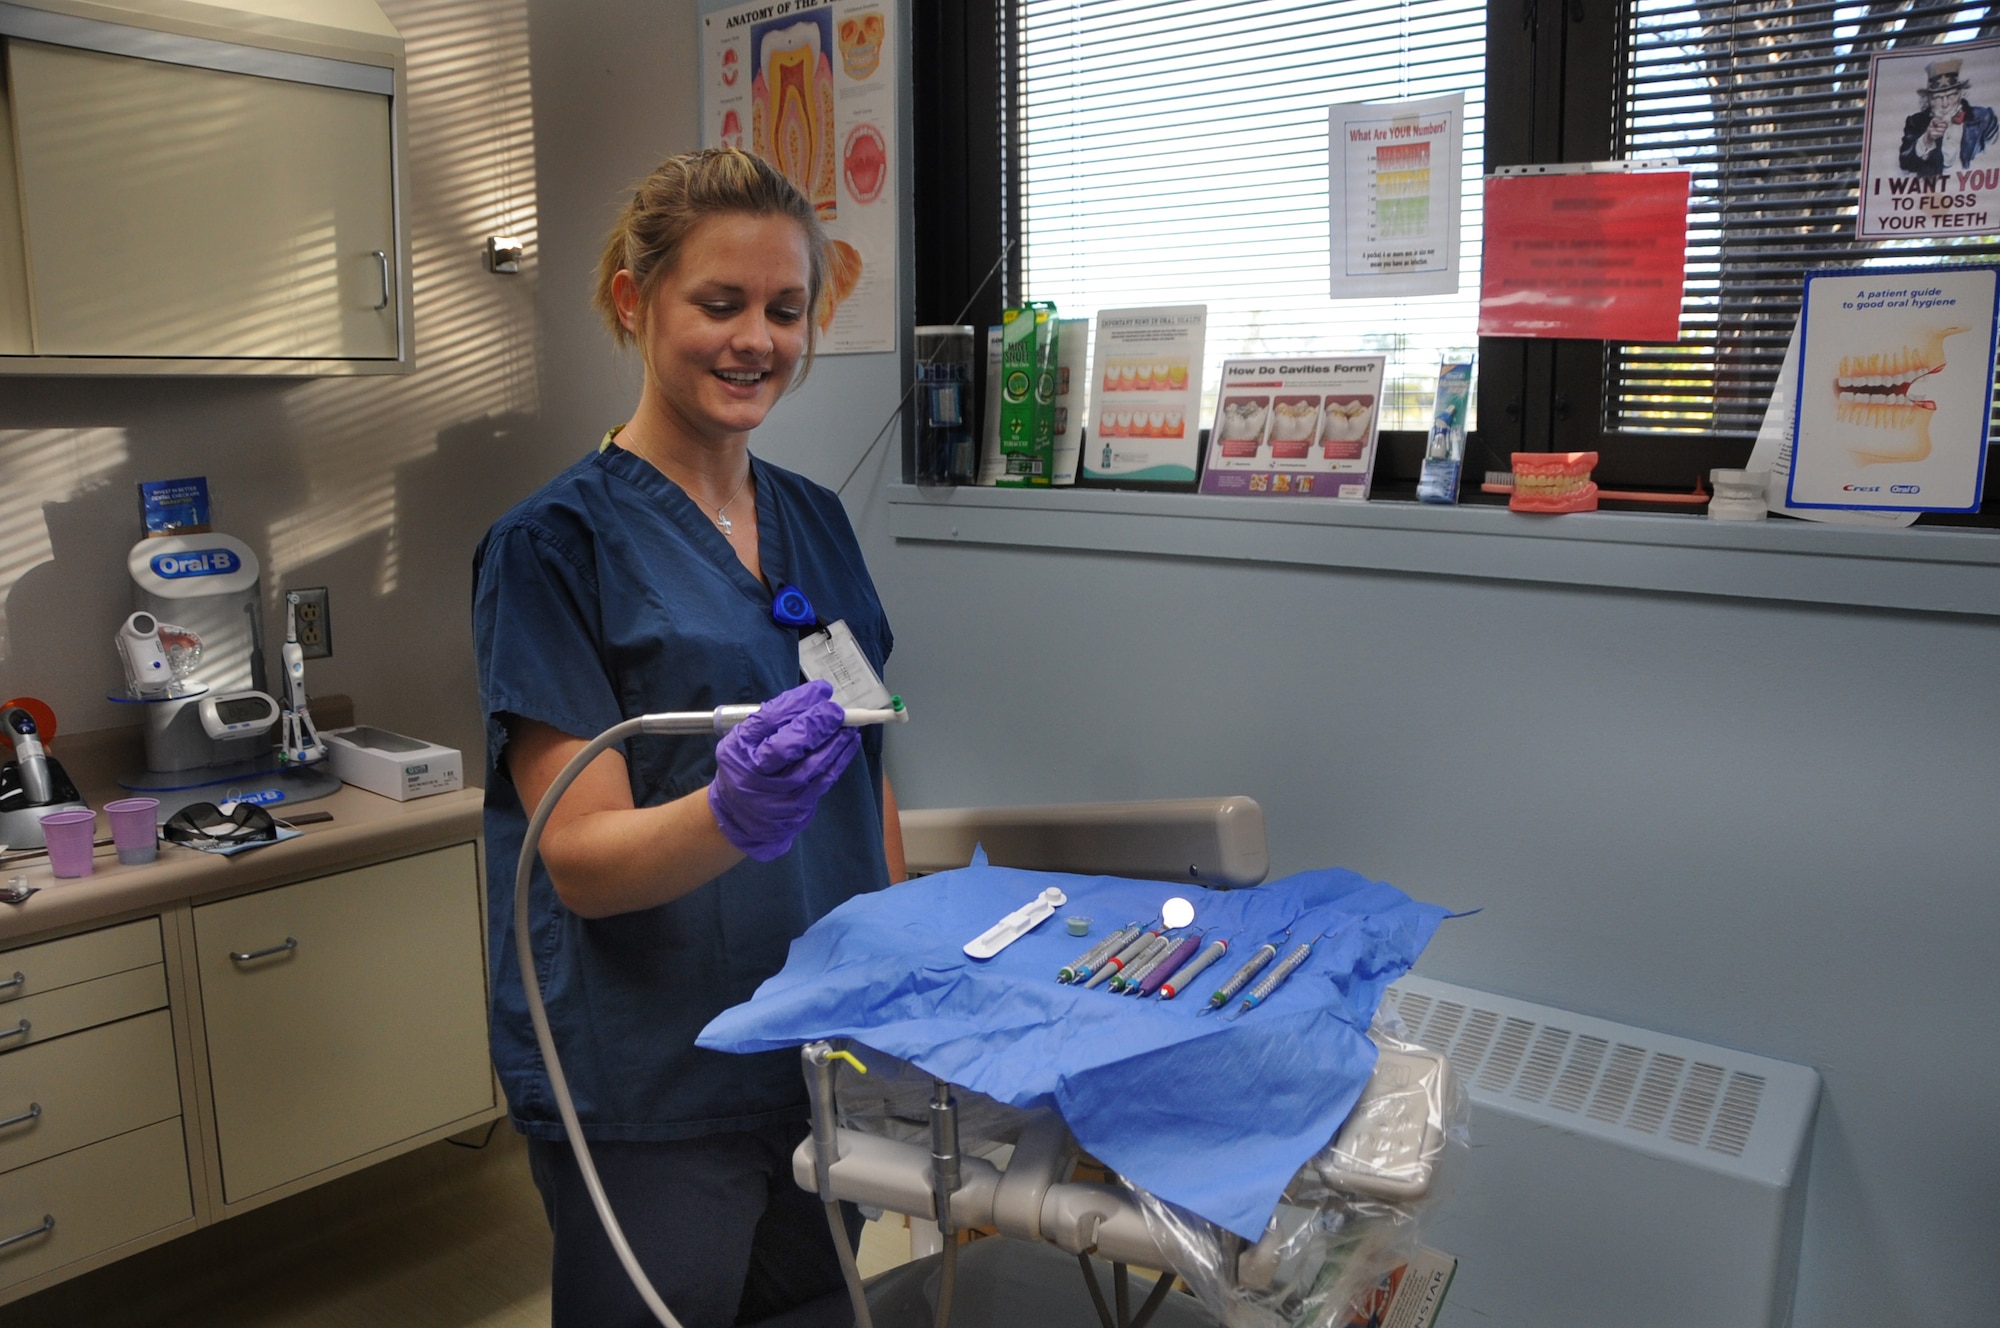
1619 1178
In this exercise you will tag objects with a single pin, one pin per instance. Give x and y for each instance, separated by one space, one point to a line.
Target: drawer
98 1197
81 1005
88 1086
79 958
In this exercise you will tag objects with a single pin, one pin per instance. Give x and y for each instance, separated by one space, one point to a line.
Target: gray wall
1761 826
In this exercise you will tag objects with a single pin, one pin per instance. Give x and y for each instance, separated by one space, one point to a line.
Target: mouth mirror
1176 913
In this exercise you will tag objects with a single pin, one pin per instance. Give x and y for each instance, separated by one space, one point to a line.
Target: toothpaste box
1028 393
391 764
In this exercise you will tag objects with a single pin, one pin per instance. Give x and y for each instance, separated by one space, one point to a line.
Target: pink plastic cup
135 829
68 835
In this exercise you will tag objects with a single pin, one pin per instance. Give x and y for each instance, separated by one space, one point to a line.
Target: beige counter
365 828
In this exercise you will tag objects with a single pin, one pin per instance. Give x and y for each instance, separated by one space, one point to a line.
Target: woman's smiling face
728 323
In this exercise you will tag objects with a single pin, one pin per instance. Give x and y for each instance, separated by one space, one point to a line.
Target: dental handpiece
1251 967
1262 991
1169 963
1174 985
1133 949
1149 959
724 718
29 756
1087 963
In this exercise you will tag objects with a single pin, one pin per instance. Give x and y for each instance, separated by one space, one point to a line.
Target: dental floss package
1437 480
393 765
1028 393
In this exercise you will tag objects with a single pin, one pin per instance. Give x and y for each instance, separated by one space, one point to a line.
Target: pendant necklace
722 521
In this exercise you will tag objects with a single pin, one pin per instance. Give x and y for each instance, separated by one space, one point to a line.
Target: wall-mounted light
503 253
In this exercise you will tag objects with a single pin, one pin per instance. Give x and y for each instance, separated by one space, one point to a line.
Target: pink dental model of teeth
1873 399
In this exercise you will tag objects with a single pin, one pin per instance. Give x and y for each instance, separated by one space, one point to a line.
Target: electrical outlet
315 623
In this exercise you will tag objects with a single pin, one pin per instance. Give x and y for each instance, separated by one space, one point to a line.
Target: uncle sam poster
1930 152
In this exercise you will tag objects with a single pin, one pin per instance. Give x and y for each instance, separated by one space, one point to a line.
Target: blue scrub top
610 594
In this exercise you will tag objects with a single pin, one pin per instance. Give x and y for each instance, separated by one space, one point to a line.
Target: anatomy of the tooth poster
810 87
1895 389
1301 428
1145 396
1930 145
1395 177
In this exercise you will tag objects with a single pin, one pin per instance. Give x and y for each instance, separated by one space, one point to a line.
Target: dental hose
717 721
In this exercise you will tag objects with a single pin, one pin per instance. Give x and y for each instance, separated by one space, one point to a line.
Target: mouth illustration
1873 397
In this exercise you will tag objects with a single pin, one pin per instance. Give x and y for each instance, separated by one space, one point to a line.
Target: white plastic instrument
1016 924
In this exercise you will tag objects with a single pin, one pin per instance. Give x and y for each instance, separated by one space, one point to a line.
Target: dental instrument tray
393 765
1144 1084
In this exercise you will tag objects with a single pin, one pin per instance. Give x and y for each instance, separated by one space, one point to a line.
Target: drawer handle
12 986
33 1112
48 1225
20 1031
245 956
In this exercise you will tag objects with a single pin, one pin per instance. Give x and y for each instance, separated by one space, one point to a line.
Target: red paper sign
1599 257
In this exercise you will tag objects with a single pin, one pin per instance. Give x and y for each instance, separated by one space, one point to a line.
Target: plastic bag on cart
1350 1216
893 1101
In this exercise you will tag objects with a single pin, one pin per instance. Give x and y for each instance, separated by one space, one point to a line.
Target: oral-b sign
194 562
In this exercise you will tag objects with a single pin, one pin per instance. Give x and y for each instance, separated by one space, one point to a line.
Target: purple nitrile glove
771 769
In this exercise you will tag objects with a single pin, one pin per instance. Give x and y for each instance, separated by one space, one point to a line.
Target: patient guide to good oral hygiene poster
811 88
1301 428
1895 389
1772 453
1145 396
1394 193
1930 144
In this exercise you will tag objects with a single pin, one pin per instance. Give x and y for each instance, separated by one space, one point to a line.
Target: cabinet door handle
33 1112
382 257
48 1225
20 1032
12 986
245 956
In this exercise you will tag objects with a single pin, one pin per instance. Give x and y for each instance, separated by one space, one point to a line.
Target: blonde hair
680 194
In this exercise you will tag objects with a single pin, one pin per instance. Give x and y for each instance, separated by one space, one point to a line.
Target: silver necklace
722 521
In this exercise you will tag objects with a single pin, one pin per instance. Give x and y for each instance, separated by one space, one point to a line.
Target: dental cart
1017 1179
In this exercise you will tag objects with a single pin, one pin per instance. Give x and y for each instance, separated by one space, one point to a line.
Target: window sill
1929 570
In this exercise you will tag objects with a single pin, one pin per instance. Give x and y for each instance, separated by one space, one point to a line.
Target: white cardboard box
393 765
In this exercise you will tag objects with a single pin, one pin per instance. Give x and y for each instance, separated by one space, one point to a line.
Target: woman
676 871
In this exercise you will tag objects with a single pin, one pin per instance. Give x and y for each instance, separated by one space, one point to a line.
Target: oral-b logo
263 797
1906 488
195 562
412 771
1861 488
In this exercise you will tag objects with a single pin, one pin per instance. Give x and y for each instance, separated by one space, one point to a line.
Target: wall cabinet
173 203
165 1072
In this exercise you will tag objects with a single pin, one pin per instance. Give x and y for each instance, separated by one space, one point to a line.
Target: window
1176 153
1157 151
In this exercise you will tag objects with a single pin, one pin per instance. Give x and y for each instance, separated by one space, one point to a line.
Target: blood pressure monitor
237 714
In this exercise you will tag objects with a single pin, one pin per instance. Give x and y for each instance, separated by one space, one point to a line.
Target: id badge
832 653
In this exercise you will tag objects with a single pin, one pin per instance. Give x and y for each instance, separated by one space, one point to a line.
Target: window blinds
1764 103
1175 152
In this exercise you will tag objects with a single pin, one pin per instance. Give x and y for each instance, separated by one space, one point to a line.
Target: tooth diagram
791 125
1243 425
1294 421
1347 427
1885 422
